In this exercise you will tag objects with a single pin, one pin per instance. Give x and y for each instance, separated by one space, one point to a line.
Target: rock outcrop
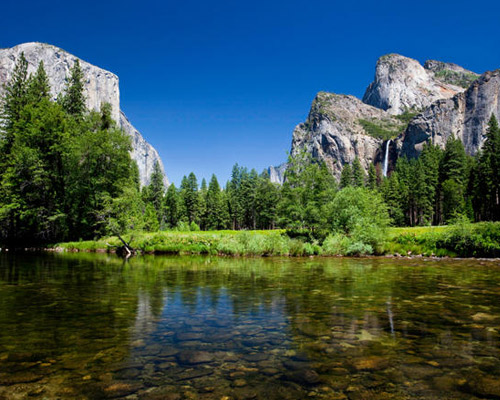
340 128
403 84
101 86
277 174
464 116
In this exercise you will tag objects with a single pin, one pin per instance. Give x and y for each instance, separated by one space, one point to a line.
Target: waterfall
386 158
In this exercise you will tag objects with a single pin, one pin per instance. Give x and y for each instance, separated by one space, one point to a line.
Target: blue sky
212 83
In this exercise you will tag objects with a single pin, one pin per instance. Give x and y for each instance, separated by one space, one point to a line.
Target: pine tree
372 178
234 196
453 179
15 98
358 175
488 185
216 214
39 87
346 176
173 207
73 100
430 160
190 196
155 192
266 202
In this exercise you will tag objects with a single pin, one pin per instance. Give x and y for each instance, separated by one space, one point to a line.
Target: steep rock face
402 84
465 116
101 86
340 128
277 174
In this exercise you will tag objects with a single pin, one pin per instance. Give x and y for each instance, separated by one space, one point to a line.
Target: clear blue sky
211 83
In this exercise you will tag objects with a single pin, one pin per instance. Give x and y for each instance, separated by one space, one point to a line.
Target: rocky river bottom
92 326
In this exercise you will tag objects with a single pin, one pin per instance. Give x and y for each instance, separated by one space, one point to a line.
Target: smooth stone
194 357
372 363
270 371
239 383
482 317
19 377
168 352
186 336
295 365
418 372
219 337
254 342
128 373
307 376
121 389
161 393
196 373
255 357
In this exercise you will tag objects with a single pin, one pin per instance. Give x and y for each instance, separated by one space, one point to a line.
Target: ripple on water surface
85 326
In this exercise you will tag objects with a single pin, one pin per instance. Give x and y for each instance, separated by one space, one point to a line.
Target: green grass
462 79
462 240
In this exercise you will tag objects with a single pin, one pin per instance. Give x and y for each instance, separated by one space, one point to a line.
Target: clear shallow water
86 326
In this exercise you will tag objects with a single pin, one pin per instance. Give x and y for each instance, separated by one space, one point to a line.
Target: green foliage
358 174
380 129
371 182
485 185
462 79
63 174
307 189
191 198
473 240
346 176
361 215
154 193
73 100
406 117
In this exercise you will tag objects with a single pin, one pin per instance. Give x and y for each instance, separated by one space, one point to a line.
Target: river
92 326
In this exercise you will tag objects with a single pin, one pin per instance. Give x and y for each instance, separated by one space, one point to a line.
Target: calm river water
90 326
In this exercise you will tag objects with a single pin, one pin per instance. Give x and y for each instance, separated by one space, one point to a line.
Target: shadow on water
89 326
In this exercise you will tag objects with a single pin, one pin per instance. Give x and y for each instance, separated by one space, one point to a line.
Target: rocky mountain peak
100 86
402 84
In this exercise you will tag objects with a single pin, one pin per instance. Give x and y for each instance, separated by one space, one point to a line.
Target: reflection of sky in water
207 311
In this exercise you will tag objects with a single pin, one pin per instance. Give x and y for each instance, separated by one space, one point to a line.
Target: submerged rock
194 357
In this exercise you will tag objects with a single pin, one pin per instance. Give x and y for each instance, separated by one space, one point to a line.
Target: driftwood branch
126 250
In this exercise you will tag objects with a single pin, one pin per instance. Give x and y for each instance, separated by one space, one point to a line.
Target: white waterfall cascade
386 158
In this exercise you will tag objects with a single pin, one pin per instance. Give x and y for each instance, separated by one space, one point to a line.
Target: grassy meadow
462 240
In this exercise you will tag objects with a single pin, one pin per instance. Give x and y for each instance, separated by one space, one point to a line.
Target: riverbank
463 240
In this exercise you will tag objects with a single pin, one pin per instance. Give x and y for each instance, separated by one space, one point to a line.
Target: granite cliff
101 86
406 105
464 116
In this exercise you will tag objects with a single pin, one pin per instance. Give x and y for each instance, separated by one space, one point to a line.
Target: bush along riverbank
460 240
